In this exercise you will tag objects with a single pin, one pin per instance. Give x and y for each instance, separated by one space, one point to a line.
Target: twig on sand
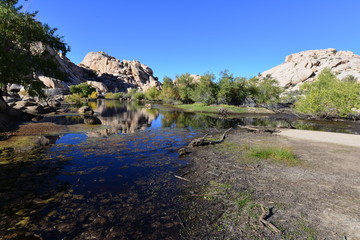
184 179
266 223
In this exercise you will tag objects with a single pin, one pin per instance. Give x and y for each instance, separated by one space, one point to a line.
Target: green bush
152 93
265 91
93 95
138 96
83 89
329 97
169 92
74 98
117 95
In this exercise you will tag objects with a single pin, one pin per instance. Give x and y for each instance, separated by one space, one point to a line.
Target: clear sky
198 36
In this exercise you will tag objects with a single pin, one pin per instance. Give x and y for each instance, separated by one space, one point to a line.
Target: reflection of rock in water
122 118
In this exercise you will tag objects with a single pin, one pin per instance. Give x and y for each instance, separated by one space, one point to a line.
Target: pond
116 181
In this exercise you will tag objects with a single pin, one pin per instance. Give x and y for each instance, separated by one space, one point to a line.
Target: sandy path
326 137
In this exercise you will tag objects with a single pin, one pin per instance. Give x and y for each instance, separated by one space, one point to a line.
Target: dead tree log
255 129
203 141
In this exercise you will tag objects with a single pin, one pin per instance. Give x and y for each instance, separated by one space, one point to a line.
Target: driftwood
255 129
266 223
182 178
203 141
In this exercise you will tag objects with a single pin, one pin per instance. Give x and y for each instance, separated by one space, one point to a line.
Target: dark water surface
112 183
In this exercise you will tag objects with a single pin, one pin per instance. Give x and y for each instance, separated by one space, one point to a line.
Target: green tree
83 89
264 91
152 93
19 59
169 91
205 90
185 84
328 96
232 90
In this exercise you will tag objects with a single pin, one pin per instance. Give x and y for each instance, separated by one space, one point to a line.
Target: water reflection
122 117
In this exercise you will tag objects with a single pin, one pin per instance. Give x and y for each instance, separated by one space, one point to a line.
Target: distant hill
305 66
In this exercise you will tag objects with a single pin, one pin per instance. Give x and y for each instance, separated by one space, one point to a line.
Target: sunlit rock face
102 71
305 66
120 75
121 119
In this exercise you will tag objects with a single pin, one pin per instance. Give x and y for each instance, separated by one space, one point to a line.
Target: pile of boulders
35 106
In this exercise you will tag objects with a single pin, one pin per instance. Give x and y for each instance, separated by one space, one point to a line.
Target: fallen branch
266 223
203 141
184 179
255 129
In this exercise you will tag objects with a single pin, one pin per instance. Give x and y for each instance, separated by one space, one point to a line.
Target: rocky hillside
119 75
103 71
305 66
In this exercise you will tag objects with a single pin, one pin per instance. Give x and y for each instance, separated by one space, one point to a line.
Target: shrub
83 89
152 93
117 95
93 95
328 97
73 98
265 91
138 96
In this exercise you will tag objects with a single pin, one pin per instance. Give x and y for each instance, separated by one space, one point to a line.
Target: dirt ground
317 197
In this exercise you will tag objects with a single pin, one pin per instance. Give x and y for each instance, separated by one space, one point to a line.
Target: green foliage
280 155
228 90
169 91
232 90
205 90
117 95
152 93
19 32
74 98
328 97
83 89
138 96
130 93
265 91
185 84
93 95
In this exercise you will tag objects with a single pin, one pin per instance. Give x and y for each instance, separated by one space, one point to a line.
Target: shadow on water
113 183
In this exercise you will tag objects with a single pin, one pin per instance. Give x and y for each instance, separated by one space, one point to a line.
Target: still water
115 182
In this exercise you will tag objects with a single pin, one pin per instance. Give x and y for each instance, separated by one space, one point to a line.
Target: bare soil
318 198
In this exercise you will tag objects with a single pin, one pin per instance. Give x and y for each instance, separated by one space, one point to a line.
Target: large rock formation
305 66
100 70
119 75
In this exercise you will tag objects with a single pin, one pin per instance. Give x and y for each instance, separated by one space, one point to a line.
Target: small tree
264 91
20 32
232 90
205 90
152 93
83 89
185 84
169 91
328 96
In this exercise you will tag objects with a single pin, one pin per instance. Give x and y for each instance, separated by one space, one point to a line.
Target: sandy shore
325 137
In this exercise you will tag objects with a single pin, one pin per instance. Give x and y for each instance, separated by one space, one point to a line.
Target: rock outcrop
305 66
119 75
102 71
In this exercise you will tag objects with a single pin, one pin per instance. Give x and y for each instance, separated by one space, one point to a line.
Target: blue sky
198 36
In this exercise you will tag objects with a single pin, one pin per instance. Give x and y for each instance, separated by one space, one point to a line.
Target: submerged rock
86 110
92 120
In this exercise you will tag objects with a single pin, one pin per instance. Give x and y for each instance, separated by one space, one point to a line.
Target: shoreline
345 139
